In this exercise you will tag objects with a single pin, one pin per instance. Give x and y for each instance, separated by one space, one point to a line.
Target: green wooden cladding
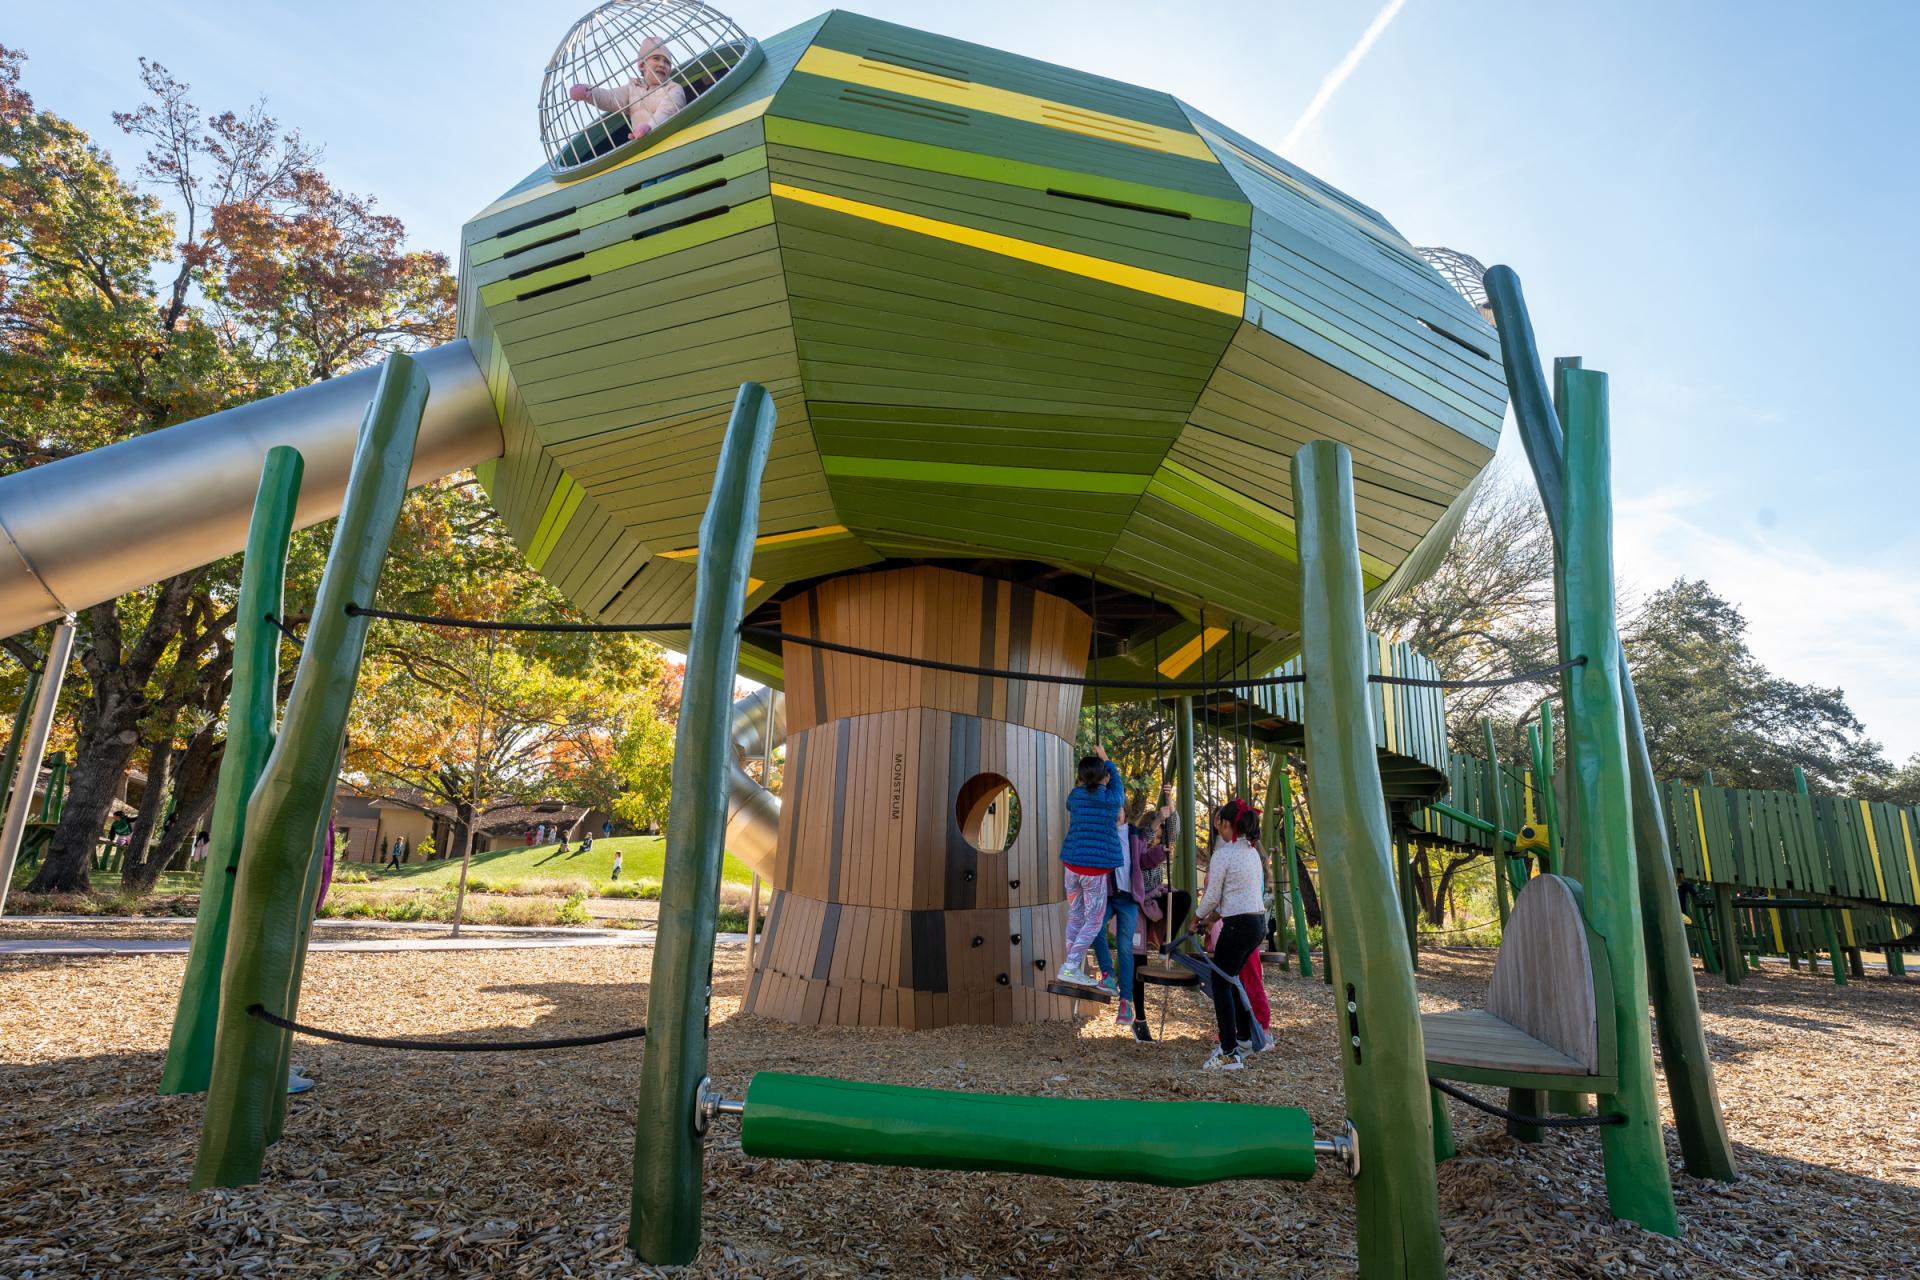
1005 310
1851 852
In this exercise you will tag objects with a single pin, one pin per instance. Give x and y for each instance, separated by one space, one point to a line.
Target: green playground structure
880 301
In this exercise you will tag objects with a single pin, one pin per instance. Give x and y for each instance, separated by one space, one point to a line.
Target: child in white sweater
1235 896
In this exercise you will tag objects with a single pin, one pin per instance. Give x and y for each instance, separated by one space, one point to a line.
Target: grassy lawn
109 881
644 856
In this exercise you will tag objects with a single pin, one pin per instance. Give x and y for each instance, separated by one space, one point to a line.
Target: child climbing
1235 896
648 100
1151 841
1090 853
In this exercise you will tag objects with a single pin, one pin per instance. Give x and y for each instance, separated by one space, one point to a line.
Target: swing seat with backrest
1541 1027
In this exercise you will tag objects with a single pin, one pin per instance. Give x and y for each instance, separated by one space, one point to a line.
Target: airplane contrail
1331 83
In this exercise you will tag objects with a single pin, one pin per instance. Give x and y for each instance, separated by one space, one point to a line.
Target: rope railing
443 1046
1520 1117
1158 686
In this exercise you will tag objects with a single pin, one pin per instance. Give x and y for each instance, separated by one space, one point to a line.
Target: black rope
1218 683
1538 1122
1525 677
483 624
999 673
285 630
444 1046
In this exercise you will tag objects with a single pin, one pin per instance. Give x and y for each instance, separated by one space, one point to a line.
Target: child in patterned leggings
1090 853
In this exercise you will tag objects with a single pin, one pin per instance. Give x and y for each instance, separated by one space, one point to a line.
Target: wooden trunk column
885 912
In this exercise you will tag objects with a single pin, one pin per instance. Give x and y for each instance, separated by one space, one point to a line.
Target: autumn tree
125 309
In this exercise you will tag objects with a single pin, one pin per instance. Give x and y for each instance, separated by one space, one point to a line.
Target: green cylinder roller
1167 1144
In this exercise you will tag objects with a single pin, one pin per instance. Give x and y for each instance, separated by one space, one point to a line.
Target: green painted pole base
250 720
1833 949
1896 962
1443 1148
664 1228
1527 1102
289 806
1383 1059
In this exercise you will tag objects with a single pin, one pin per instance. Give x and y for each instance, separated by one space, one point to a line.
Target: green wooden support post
1270 832
667 1151
1294 873
1896 962
1639 1188
1242 770
1443 1148
1497 838
1409 897
1528 1102
288 809
1383 1059
309 902
251 711
1709 954
1186 858
1725 927
1701 1124
1563 864
1827 929
22 714
1542 790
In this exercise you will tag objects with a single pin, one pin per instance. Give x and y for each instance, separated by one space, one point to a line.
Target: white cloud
1810 619
1331 82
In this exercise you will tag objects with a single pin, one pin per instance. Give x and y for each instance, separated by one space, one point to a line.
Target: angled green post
1706 1150
21 716
250 720
667 1151
1697 1113
1186 874
1497 839
288 809
1293 872
1638 1186
1383 1058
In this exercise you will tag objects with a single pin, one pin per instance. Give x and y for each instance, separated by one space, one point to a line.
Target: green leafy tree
1709 703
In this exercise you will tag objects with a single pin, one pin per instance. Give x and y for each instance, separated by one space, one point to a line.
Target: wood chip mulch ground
407 1164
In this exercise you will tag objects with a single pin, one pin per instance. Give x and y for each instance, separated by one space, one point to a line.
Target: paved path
473 938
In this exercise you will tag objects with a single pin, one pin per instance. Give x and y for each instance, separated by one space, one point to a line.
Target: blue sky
1714 202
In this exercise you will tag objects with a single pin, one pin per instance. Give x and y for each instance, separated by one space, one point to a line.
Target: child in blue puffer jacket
1090 854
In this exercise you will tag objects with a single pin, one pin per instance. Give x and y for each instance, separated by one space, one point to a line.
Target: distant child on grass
616 864
1090 854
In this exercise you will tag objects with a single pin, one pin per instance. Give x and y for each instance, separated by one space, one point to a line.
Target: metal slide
88 528
753 812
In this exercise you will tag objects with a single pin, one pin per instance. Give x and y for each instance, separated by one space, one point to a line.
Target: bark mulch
408 1164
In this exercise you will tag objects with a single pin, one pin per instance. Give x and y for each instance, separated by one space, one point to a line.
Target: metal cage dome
631 69
1466 273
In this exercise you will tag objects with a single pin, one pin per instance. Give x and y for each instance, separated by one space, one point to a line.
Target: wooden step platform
1074 991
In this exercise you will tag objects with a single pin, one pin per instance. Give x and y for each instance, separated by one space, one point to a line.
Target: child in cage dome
649 100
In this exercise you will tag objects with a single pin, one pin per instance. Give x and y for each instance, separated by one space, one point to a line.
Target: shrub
574 910
351 875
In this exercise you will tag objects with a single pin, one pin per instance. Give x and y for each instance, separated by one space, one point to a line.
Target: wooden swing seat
1541 1027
